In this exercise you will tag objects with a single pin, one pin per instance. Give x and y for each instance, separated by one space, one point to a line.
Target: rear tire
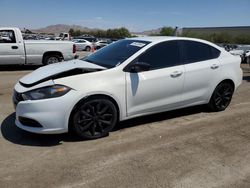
51 59
94 118
221 97
87 48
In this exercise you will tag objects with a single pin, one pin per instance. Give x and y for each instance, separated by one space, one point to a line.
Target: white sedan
129 78
101 44
82 44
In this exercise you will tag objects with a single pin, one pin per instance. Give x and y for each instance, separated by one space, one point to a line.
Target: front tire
221 97
94 118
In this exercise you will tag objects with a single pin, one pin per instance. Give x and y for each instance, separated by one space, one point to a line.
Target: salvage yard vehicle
239 53
102 43
63 36
244 55
129 78
82 44
88 38
14 50
243 52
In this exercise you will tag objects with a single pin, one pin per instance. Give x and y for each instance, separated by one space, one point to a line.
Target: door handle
14 47
176 74
214 66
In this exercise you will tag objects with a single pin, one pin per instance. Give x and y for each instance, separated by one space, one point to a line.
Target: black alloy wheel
94 118
221 97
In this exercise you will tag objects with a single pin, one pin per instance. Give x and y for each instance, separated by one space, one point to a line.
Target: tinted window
162 55
215 52
197 51
115 53
90 39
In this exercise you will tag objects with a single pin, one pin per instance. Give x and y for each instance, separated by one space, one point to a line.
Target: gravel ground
182 148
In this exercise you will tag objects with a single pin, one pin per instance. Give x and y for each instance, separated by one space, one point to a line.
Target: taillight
74 48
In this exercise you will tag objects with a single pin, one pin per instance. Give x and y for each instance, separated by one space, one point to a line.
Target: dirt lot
183 148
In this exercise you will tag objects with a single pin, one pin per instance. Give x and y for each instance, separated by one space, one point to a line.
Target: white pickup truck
14 50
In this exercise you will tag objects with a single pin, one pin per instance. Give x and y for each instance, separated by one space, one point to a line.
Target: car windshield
116 53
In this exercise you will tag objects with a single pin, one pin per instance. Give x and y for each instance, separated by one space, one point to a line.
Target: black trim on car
29 122
61 75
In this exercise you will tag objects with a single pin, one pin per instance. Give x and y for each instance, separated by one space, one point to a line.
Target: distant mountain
59 28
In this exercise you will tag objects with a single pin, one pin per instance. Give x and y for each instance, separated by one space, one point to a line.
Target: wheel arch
228 80
222 81
45 54
87 46
111 98
212 105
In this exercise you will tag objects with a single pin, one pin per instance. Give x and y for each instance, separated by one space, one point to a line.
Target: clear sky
136 15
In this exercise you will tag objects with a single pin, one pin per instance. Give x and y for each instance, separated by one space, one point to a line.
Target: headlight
46 92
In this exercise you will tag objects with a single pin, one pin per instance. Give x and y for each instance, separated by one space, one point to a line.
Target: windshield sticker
137 44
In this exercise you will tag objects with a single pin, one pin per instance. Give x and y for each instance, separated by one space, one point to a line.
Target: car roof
163 38
151 39
80 39
157 39
8 28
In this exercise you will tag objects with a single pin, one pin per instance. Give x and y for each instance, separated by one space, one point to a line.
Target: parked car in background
64 36
14 50
247 56
239 53
82 44
129 78
229 47
49 38
30 37
102 43
243 52
88 38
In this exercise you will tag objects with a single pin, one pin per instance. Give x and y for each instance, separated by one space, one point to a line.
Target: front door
11 51
160 88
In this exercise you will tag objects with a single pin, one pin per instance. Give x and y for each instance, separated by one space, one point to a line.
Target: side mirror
138 67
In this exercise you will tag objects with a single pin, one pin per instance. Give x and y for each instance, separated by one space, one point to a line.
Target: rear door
11 51
202 68
160 88
81 44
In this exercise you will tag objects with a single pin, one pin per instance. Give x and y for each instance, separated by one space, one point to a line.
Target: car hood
59 70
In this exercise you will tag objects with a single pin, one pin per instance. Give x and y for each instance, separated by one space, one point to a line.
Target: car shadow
17 136
18 67
160 117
